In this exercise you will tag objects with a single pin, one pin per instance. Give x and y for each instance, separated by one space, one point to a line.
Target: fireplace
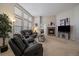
51 30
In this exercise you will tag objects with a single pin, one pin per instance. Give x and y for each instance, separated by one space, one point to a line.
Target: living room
56 22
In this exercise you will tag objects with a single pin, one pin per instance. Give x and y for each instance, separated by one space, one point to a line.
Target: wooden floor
54 46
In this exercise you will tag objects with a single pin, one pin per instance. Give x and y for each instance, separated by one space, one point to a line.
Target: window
18 11
17 29
30 25
17 22
30 19
17 25
23 20
25 16
25 25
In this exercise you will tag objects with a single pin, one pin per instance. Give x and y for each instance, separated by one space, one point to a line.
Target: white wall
7 9
45 19
73 15
76 21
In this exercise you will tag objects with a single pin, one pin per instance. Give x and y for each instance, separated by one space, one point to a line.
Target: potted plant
5 28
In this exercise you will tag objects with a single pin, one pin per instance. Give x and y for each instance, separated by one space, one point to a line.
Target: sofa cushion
22 38
15 49
33 49
30 39
19 43
26 32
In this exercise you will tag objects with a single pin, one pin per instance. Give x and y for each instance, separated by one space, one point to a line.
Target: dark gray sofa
21 47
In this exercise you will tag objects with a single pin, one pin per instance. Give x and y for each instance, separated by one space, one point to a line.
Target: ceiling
47 9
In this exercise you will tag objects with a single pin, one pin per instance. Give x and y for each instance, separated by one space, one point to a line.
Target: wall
47 19
7 9
76 21
44 19
73 15
37 20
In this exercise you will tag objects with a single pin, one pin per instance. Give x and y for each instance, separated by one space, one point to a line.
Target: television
64 29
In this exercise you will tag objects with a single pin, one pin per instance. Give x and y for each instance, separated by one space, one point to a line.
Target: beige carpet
54 46
60 47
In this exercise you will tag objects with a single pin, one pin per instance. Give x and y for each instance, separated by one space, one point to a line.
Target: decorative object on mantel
5 28
52 24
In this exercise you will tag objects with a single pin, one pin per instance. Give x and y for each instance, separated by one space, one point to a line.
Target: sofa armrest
34 50
29 40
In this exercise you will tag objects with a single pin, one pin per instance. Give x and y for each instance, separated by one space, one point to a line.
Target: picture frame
61 22
64 22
